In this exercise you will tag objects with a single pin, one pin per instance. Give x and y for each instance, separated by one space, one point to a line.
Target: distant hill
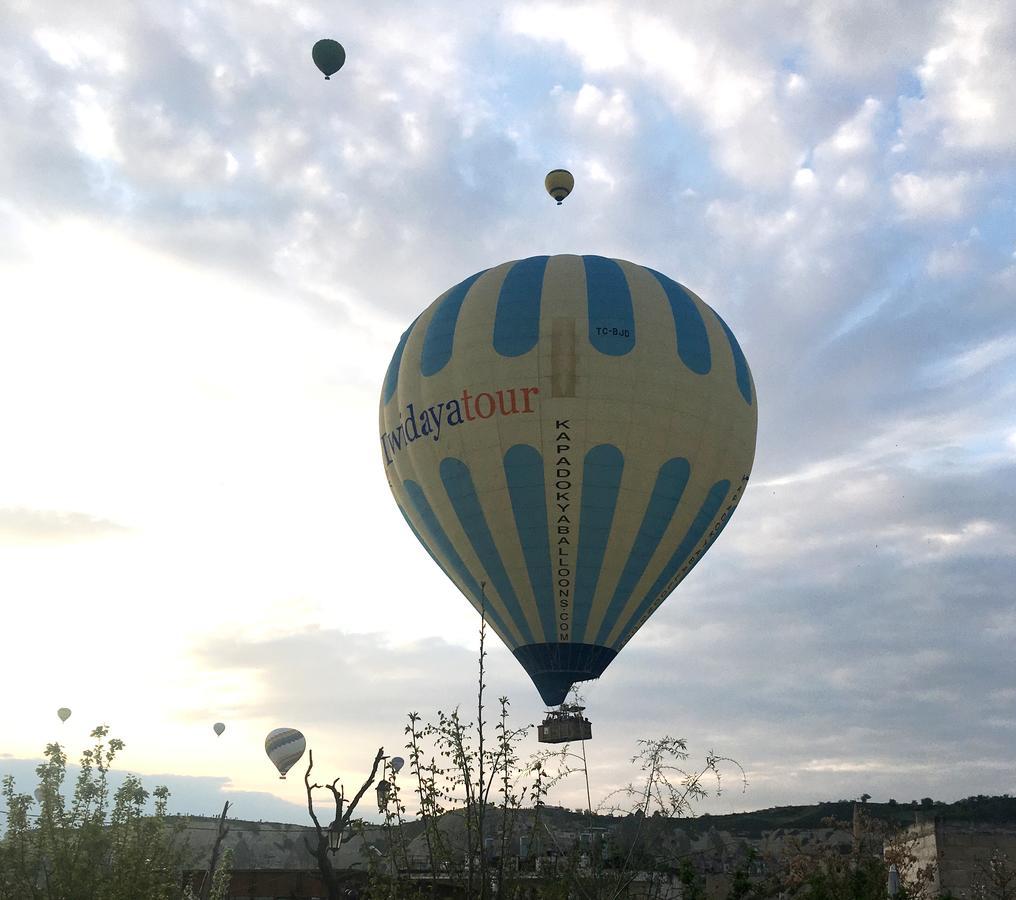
981 808
746 824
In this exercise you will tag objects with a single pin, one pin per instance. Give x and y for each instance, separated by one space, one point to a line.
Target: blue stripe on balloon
671 481
601 479
458 483
611 317
517 320
440 542
696 531
392 375
740 363
440 336
692 337
523 469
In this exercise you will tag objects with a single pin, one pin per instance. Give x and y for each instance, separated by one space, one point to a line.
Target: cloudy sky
208 252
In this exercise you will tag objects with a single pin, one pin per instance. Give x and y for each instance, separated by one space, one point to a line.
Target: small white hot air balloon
39 794
284 747
218 728
397 762
64 713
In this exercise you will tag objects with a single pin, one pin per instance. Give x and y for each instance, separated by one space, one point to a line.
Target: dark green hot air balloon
328 56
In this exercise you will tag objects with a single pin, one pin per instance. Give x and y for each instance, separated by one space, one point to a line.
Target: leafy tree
97 847
476 798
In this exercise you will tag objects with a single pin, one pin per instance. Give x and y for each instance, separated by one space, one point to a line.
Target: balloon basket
564 725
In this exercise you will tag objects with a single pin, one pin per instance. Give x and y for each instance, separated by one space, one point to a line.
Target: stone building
961 852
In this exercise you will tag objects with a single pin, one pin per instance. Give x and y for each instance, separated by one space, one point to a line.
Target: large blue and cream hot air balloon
567 436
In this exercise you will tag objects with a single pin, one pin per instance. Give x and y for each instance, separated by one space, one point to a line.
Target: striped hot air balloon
284 747
574 432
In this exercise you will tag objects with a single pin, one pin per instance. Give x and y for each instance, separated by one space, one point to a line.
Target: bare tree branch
223 830
310 797
370 780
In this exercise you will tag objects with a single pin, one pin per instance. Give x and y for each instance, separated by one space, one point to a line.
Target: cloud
35 526
933 197
693 68
843 202
189 795
611 113
968 76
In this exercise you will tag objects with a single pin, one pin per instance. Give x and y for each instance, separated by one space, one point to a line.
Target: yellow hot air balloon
559 184
574 432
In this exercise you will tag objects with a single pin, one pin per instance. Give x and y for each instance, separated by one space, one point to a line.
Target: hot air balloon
218 728
559 184
64 713
567 436
39 794
397 762
328 56
284 747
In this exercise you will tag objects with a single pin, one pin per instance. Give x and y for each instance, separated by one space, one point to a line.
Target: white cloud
864 40
932 197
611 112
854 137
77 50
598 173
95 136
695 72
804 179
979 358
951 261
592 31
969 79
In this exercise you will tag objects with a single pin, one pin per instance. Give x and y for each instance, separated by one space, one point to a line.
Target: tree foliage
96 846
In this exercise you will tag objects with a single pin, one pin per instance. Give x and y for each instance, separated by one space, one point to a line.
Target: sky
207 256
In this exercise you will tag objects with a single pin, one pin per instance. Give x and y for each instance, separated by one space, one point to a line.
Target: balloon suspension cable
585 769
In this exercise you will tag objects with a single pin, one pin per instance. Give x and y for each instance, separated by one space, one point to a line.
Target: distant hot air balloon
39 794
218 728
574 432
64 713
284 747
397 762
559 184
328 56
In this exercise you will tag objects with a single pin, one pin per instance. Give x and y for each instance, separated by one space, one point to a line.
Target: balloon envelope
559 184
284 747
218 728
39 794
397 762
64 713
328 56
574 432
